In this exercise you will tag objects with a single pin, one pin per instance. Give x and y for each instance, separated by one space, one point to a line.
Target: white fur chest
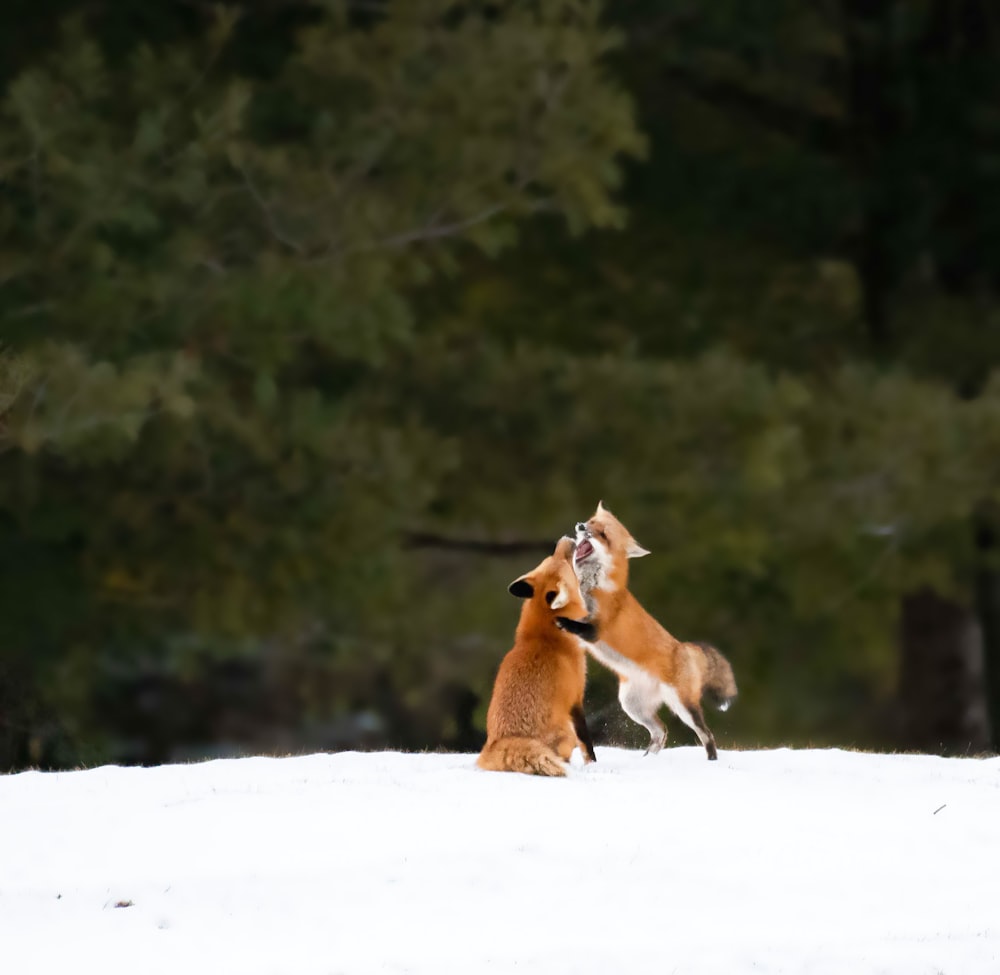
613 660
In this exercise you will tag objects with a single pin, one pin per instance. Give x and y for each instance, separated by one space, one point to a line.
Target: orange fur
654 668
535 717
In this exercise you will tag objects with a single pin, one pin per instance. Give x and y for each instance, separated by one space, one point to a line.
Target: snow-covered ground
780 861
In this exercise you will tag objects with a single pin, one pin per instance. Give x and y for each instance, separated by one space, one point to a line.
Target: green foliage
205 280
284 291
808 208
786 517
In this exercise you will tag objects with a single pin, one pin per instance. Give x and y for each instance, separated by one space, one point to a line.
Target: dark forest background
321 321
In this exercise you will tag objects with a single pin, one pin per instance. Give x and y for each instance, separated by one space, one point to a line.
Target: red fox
653 667
535 717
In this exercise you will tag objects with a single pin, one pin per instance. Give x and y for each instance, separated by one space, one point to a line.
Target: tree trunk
988 608
942 677
941 682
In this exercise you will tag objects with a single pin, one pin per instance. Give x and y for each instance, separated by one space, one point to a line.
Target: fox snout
584 545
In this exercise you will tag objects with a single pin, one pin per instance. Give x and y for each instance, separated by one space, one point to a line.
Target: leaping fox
653 667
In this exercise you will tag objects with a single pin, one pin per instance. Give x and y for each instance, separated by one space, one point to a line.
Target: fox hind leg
641 706
693 717
701 729
564 743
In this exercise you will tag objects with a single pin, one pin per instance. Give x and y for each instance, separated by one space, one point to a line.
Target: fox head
553 584
603 544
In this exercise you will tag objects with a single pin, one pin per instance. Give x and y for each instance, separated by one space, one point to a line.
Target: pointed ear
635 550
562 598
523 588
564 548
601 510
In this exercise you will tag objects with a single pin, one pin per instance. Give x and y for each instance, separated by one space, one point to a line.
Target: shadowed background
321 321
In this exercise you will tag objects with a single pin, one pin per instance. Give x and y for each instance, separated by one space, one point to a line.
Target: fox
535 717
653 667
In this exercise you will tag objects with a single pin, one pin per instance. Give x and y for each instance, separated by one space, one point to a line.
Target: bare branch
479 546
434 231
265 209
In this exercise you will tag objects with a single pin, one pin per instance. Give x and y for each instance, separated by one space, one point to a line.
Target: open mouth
583 550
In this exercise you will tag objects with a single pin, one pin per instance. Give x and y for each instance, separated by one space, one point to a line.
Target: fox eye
549 596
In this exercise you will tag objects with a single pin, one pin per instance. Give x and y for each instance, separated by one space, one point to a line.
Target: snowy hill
783 861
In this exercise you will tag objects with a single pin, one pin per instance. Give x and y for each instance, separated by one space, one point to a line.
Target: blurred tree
894 104
275 380
205 275
820 198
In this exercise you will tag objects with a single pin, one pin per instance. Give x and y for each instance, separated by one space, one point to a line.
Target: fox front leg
583 734
584 629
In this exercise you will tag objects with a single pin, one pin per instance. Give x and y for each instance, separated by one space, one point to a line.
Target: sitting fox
535 718
653 667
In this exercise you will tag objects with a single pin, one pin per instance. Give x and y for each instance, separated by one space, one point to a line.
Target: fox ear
564 548
562 598
522 588
635 550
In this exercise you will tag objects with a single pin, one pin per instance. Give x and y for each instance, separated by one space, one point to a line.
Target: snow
770 861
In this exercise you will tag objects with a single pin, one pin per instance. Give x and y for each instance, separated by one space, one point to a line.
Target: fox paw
581 628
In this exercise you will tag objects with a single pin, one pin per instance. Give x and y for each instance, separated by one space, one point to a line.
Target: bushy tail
719 683
520 755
